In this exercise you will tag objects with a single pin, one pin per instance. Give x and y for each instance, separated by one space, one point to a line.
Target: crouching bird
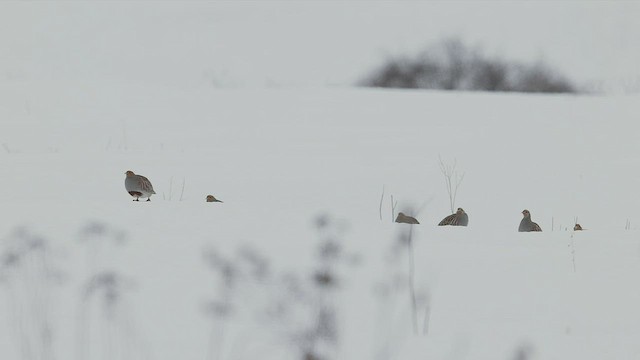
402 218
577 227
211 198
138 186
460 218
526 224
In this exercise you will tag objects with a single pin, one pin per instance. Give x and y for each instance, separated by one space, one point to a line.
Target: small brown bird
211 198
138 186
402 218
526 224
577 227
460 218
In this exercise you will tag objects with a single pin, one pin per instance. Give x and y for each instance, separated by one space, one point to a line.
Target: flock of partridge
139 186
460 218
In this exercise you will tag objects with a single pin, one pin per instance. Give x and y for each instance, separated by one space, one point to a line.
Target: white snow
278 159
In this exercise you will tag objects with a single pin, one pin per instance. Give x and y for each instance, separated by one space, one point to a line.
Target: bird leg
149 199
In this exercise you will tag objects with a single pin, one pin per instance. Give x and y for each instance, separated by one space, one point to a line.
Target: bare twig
182 191
381 198
393 209
452 180
170 189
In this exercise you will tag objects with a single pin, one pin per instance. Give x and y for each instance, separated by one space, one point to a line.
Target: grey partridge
460 218
526 224
138 186
402 218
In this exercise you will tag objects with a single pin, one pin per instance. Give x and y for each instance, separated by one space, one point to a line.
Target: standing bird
460 218
526 224
138 186
211 198
402 218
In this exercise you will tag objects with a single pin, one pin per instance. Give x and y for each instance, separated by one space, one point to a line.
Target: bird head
526 213
129 173
460 211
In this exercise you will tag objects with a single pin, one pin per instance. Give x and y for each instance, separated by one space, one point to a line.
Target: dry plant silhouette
396 281
105 319
298 309
452 180
405 236
332 263
241 282
405 218
30 276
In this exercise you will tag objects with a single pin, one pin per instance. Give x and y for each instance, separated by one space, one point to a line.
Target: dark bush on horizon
452 65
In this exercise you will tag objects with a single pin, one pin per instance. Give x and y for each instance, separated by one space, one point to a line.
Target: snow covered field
294 168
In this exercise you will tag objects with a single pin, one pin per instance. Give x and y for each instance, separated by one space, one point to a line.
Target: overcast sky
309 43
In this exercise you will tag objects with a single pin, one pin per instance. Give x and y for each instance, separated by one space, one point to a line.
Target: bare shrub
452 180
453 65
